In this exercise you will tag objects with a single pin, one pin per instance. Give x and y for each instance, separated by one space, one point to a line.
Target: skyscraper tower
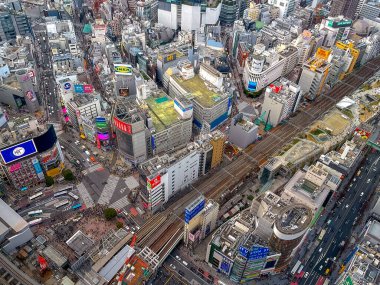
346 8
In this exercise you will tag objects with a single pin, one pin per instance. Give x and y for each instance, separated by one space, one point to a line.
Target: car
361 194
369 180
172 266
178 258
347 206
181 273
306 275
320 267
327 260
320 249
354 179
185 263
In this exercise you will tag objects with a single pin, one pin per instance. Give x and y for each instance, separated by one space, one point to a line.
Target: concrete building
237 252
14 230
167 59
335 29
211 101
29 152
281 99
242 132
286 7
290 226
372 47
232 10
83 105
162 176
347 8
188 16
200 220
265 66
314 74
147 10
371 11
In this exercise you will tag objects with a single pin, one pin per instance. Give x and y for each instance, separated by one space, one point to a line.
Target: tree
250 197
119 224
110 213
49 181
68 175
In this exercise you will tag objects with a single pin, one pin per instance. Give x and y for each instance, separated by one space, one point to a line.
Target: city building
286 7
314 74
232 10
14 230
13 22
189 16
281 99
201 217
347 8
237 252
147 10
163 176
370 12
265 66
83 105
211 101
29 152
167 59
242 131
335 29
290 226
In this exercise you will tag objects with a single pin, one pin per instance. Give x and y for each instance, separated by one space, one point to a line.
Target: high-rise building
201 216
314 74
242 131
347 8
286 6
232 10
281 99
335 29
289 229
371 11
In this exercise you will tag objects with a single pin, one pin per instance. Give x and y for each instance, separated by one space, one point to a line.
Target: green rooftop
197 88
162 112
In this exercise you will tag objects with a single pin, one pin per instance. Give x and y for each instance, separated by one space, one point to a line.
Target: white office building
286 7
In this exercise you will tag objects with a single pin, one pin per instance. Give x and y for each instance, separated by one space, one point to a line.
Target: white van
185 263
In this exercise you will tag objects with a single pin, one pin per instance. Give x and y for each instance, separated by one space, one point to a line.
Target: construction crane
260 120
125 266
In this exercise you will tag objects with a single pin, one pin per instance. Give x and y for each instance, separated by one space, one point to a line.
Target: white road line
108 190
86 197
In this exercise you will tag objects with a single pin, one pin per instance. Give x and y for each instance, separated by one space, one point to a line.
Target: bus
294 270
39 194
300 269
72 195
327 281
35 213
35 222
77 206
322 234
60 193
61 203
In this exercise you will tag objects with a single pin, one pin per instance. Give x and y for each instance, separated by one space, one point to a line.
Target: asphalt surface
343 217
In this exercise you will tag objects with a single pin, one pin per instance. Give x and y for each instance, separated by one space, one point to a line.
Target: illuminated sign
122 69
15 167
191 212
122 126
252 86
18 151
256 252
83 88
78 88
67 86
340 24
322 53
170 57
151 183
103 136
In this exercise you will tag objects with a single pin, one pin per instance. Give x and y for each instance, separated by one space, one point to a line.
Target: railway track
256 155
16 273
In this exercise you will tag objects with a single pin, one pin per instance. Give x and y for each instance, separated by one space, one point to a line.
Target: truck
322 234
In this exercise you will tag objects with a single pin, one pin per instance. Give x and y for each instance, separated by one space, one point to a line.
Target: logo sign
87 88
78 88
123 69
252 86
154 182
122 126
67 86
18 151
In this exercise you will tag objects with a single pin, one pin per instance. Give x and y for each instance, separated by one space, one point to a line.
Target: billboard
122 69
275 88
194 209
122 126
30 95
14 167
124 92
340 24
252 86
38 169
170 57
103 136
45 141
151 183
256 252
101 123
67 86
18 151
83 88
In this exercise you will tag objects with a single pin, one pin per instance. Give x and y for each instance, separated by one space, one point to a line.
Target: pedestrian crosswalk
108 190
86 197
121 203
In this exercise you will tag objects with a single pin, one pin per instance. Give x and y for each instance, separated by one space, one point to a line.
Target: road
7 267
343 217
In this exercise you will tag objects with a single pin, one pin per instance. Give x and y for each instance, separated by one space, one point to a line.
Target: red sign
154 182
31 73
87 88
29 95
122 126
275 88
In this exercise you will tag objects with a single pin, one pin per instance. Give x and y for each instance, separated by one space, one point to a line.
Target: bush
49 181
110 213
68 175
250 197
119 224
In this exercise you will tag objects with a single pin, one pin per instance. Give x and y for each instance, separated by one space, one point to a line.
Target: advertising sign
18 151
275 88
340 24
15 167
103 136
78 88
31 73
30 96
322 53
154 182
258 252
347 281
122 69
170 57
122 126
190 213
252 86
225 266
101 123
67 86
87 88
38 169
123 92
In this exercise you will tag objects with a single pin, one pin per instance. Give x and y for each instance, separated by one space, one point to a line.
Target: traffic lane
187 273
352 211
80 155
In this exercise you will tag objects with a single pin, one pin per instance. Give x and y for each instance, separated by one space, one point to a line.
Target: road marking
86 197
108 190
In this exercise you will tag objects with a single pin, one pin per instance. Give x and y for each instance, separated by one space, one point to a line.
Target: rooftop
293 219
54 255
80 243
9 217
137 273
83 99
201 93
161 110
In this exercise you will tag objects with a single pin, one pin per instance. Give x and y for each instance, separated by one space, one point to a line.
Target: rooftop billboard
18 151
